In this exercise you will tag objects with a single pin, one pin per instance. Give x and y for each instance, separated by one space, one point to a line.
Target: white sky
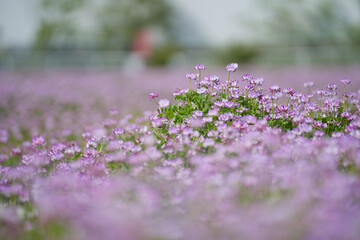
218 22
18 21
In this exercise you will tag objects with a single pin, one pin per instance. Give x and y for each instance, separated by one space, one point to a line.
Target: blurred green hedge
238 53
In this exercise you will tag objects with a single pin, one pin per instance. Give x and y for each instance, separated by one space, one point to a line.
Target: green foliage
240 53
161 55
192 101
122 166
12 161
53 229
320 23
57 24
189 102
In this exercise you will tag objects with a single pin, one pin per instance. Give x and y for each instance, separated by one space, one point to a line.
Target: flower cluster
217 162
300 113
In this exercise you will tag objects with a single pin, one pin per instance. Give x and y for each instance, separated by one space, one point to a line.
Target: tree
318 22
57 26
120 20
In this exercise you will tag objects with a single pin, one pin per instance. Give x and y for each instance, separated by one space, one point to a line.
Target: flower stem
227 86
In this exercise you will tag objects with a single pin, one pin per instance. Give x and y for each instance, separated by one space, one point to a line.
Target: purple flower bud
318 133
308 84
38 141
27 159
336 134
332 87
298 119
185 90
310 106
157 122
198 113
345 81
274 89
250 119
348 94
208 142
305 128
3 157
16 151
118 131
153 95
207 119
4 135
283 108
258 81
232 67
218 104
91 143
213 112
114 111
176 93
201 90
247 77
229 104
224 117
191 76
174 130
205 81
317 124
320 92
199 67
345 114
289 91
214 78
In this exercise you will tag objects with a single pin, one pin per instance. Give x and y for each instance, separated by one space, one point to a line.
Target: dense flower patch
224 159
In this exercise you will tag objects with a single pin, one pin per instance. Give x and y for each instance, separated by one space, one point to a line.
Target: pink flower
163 103
201 90
213 112
119 131
4 135
176 93
332 87
153 95
283 108
214 78
247 77
199 67
289 91
308 84
207 119
232 67
345 81
208 142
191 76
274 89
38 141
198 113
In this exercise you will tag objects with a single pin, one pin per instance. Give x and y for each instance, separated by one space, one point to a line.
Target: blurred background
65 63
143 33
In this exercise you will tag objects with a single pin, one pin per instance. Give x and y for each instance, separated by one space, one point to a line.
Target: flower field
210 154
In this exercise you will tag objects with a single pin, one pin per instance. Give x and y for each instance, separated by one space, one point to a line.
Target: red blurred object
142 43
